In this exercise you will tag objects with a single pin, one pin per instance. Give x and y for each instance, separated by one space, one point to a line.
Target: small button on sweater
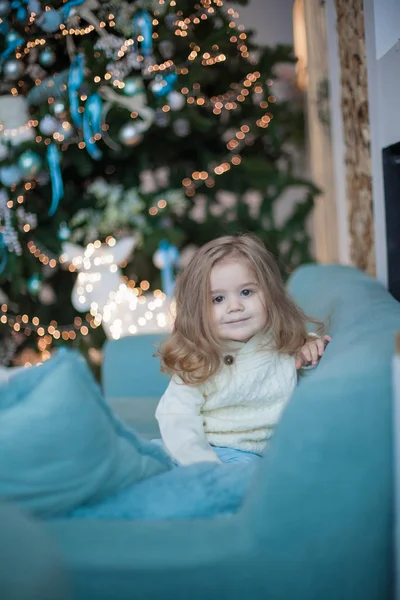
238 407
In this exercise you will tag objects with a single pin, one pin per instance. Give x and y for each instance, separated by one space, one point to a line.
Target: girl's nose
235 305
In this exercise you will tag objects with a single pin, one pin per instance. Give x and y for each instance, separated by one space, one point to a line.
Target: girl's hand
312 351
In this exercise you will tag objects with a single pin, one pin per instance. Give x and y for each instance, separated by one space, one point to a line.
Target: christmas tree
123 126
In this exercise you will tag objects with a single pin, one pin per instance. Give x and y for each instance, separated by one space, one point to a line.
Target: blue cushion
130 369
60 444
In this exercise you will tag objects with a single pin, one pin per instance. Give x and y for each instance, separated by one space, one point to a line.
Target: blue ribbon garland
170 255
91 125
10 49
165 85
66 9
4 27
142 25
53 160
21 8
75 80
4 254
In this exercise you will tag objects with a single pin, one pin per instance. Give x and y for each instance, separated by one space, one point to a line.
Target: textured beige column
351 38
312 69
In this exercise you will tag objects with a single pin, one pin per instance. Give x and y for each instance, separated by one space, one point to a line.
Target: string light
114 302
50 260
49 332
17 130
228 101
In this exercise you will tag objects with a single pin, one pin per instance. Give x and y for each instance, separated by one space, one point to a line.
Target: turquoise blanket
198 491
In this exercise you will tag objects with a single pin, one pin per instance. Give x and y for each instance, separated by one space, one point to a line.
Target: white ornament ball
58 108
10 175
166 48
66 130
161 118
13 68
181 127
64 232
159 259
14 114
129 135
47 295
48 125
176 100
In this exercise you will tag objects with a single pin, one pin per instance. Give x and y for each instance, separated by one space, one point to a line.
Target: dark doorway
391 176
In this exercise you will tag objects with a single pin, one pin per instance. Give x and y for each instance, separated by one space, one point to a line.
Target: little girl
236 345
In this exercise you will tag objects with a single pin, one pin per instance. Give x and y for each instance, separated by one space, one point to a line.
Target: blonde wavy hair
192 351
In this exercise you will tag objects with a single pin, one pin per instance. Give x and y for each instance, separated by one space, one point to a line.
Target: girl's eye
218 299
246 292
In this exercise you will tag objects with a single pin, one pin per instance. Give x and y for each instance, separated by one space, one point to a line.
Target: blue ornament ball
34 284
170 21
64 232
10 175
47 58
12 37
29 164
133 85
13 68
50 21
129 135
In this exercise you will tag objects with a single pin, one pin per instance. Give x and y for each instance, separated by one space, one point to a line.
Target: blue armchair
317 522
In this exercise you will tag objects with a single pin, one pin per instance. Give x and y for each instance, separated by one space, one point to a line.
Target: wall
272 23
382 32
382 50
271 20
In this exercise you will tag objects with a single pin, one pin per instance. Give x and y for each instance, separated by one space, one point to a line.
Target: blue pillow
60 444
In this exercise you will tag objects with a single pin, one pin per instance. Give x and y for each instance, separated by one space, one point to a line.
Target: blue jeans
226 455
229 455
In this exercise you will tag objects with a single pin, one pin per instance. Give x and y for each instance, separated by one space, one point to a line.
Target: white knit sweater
236 408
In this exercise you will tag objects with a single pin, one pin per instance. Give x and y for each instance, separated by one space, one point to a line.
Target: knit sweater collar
258 341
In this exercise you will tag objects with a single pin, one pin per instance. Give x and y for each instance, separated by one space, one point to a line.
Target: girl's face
237 299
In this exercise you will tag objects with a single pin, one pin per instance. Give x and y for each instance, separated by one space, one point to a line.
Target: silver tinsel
122 68
10 236
54 86
110 45
8 348
26 218
166 48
